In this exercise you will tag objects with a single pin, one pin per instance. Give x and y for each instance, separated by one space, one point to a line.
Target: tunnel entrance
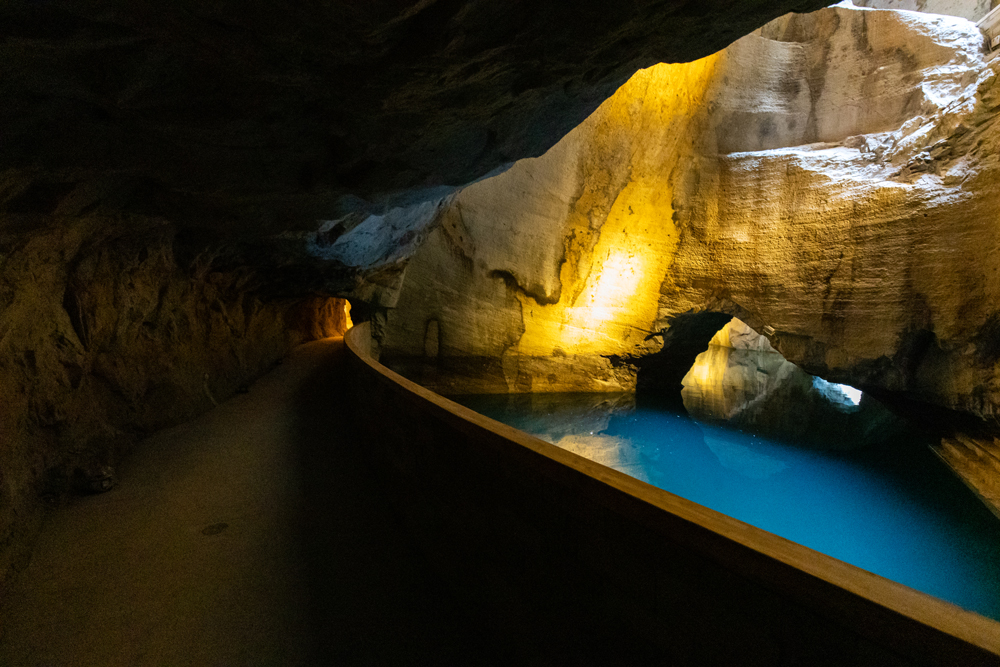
342 312
333 318
688 336
321 317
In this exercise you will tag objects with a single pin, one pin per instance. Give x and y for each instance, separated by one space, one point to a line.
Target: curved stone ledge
565 552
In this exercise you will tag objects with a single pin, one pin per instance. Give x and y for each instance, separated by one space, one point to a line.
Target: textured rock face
831 177
167 168
254 119
872 257
106 336
967 9
739 336
976 461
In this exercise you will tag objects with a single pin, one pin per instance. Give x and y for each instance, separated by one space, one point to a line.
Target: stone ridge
976 461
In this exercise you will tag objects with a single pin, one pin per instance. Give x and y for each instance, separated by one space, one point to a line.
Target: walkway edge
450 458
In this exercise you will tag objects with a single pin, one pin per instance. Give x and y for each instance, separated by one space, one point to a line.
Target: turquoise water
866 489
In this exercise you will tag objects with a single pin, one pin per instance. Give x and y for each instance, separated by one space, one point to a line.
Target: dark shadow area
520 589
939 421
687 337
374 599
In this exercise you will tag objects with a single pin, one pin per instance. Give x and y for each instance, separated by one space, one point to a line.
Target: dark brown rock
240 119
105 337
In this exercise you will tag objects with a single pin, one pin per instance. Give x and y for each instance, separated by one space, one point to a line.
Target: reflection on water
796 458
758 390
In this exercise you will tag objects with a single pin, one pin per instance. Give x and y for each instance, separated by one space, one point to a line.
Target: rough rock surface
967 9
831 177
741 381
106 335
256 117
167 168
976 461
739 336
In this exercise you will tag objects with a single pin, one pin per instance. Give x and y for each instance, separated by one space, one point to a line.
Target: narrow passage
251 536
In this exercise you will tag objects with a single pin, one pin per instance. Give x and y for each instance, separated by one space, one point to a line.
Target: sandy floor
251 536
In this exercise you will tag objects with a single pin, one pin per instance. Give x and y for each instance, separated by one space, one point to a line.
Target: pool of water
775 448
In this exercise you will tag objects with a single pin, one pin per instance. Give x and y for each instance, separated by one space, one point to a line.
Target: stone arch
685 336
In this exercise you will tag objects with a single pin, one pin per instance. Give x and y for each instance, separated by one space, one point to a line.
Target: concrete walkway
251 536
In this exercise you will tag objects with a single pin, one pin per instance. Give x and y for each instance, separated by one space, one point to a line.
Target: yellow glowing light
616 285
709 368
609 298
604 309
347 315
622 237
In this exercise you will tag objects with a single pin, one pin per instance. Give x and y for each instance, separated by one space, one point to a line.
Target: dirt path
250 536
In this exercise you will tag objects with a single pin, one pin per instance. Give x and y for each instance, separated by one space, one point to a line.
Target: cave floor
250 536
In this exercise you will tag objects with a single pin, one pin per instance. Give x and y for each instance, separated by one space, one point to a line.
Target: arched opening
742 381
321 317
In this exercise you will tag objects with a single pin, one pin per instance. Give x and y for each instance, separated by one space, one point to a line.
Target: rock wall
739 336
871 254
275 140
967 9
106 335
830 178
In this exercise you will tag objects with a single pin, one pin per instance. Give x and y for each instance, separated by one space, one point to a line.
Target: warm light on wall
709 368
601 313
614 267
617 281
347 315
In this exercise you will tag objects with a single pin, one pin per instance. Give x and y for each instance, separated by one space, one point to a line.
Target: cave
246 254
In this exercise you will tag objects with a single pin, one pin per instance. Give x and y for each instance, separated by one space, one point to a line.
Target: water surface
775 448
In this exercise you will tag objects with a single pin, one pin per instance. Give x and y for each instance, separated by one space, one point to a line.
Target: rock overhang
267 115
878 210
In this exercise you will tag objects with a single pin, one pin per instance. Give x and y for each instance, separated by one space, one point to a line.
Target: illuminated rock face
548 267
831 177
968 9
872 255
740 380
192 151
739 336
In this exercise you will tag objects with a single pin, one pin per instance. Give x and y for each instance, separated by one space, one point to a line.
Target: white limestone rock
832 177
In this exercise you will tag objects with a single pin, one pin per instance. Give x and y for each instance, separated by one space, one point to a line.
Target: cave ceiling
234 119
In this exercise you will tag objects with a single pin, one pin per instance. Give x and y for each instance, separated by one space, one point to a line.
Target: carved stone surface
831 177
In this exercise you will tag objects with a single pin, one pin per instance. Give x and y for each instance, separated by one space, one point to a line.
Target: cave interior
518 198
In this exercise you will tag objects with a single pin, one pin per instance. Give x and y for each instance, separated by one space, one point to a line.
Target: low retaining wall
594 565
